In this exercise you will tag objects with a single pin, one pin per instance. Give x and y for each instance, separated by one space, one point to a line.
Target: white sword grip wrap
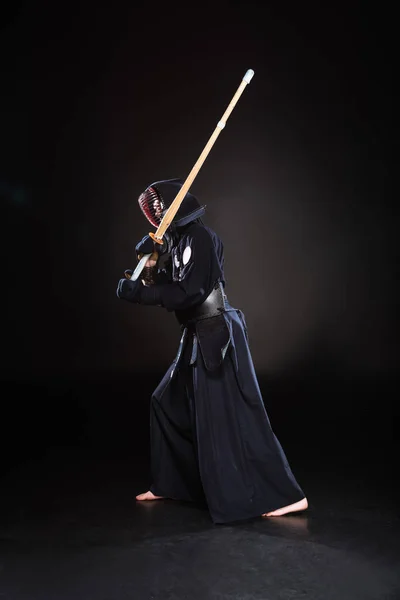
249 76
140 266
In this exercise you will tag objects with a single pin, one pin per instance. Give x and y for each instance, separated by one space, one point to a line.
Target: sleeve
199 272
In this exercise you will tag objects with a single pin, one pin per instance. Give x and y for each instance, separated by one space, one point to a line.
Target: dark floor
74 454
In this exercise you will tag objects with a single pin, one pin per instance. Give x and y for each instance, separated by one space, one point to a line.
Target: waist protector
208 323
213 305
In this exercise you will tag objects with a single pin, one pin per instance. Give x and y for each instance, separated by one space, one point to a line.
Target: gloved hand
146 246
129 290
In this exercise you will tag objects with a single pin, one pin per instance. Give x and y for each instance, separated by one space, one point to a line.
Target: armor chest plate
182 261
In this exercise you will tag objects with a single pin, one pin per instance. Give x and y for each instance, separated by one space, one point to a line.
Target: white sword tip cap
249 75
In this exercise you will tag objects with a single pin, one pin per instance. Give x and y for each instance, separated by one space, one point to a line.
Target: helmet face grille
152 206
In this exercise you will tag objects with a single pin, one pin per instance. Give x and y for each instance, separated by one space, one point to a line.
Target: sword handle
153 256
141 264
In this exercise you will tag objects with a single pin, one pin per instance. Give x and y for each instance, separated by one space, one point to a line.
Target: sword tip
248 76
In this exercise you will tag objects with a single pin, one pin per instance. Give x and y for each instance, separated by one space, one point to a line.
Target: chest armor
182 262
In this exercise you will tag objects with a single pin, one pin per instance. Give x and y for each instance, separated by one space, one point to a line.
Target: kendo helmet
158 197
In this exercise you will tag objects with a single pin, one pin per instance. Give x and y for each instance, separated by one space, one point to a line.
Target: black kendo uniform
211 437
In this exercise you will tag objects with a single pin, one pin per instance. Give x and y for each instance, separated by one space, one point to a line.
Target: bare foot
148 496
297 506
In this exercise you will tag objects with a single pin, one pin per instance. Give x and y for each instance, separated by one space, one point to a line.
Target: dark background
99 101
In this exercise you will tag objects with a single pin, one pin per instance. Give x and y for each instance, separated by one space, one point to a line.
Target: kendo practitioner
211 438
